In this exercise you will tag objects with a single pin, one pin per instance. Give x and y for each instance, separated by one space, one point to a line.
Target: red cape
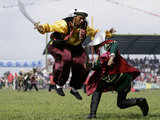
121 66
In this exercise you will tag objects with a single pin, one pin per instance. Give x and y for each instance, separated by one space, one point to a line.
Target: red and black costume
66 48
116 77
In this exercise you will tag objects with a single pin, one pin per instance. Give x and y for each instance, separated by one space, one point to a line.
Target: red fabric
120 66
51 80
33 79
123 67
16 76
92 82
133 90
69 35
107 42
65 58
10 78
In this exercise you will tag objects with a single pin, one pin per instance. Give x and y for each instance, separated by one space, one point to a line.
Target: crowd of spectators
149 67
11 80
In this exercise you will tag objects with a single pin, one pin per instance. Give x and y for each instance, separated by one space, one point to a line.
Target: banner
138 85
6 63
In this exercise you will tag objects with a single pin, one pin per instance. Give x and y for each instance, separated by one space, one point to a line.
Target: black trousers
26 87
122 101
34 85
51 87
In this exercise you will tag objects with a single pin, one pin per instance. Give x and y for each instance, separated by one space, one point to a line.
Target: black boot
76 94
59 91
142 103
122 102
94 104
91 116
125 103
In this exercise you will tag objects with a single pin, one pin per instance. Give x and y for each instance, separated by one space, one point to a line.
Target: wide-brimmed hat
98 39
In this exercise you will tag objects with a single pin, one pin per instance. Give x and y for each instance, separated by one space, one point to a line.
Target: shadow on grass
155 116
119 116
115 116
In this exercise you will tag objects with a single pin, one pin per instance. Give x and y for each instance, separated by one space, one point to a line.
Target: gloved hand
39 28
111 60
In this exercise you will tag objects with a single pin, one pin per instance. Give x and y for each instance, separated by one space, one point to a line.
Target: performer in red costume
111 72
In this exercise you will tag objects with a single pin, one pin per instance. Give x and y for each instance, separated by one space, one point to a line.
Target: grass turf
44 105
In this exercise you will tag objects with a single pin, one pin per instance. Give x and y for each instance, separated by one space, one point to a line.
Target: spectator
51 83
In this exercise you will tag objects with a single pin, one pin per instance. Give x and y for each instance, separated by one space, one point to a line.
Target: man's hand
110 62
82 34
36 25
39 27
112 30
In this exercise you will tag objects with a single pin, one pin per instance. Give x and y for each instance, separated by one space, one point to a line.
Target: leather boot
142 103
59 91
76 94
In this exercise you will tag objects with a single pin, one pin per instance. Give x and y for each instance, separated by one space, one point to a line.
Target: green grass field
43 105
